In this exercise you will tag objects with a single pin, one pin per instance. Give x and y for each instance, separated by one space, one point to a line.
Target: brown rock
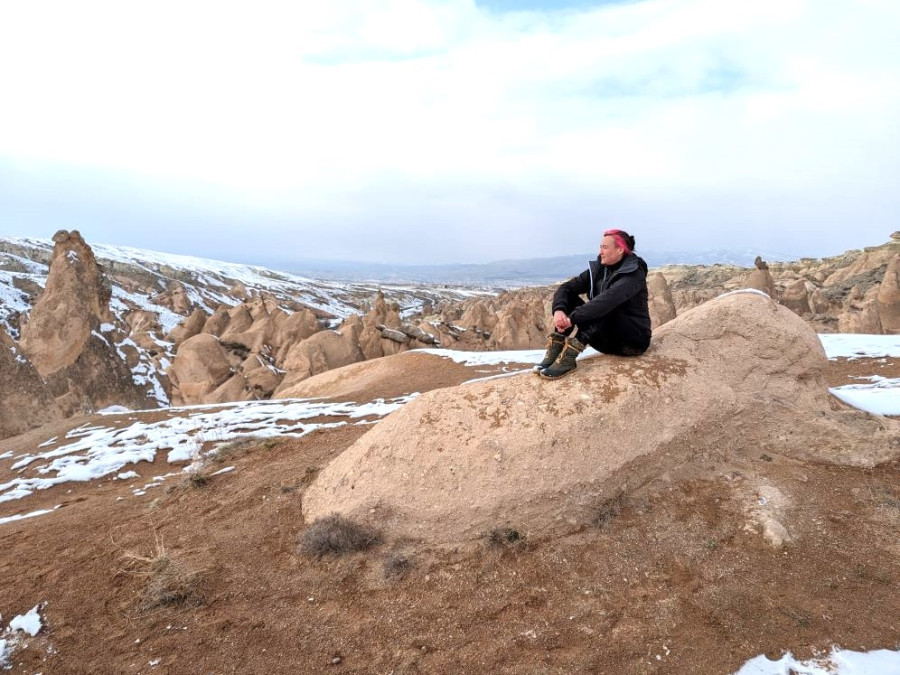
661 305
522 324
25 401
62 338
74 303
889 297
188 328
795 297
175 298
371 341
543 456
761 280
323 351
291 329
200 367
218 322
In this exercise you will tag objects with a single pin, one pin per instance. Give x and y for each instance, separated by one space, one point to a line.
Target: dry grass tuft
505 538
241 446
336 535
397 565
167 581
609 511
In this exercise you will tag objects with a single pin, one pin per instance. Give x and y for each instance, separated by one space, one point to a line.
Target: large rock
68 339
889 297
523 323
188 328
661 304
74 303
739 373
200 367
796 297
25 401
323 351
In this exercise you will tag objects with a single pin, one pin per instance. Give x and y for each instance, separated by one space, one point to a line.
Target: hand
561 321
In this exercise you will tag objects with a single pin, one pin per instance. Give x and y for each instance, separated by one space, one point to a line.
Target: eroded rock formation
740 372
25 401
68 334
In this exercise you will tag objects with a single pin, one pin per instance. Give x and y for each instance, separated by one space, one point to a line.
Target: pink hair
620 240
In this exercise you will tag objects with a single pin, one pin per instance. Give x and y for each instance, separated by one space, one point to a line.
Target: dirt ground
207 576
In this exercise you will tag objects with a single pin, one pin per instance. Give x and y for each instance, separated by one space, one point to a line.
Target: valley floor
204 574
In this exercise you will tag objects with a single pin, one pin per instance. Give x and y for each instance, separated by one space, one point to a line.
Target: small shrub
609 511
197 479
168 582
241 446
504 537
397 565
336 535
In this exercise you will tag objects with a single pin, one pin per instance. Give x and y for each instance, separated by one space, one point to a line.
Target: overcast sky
450 130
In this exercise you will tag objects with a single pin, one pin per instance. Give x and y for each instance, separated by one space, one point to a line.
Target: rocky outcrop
188 328
75 301
201 366
323 351
25 401
740 372
796 297
68 334
372 341
661 304
888 297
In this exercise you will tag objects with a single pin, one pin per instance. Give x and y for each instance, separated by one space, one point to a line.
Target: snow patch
857 345
28 623
114 410
100 451
880 397
532 356
23 516
838 662
752 291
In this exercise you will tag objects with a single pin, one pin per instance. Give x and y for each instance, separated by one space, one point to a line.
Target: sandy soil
671 579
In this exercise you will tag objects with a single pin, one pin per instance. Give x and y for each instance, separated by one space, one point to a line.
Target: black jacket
622 290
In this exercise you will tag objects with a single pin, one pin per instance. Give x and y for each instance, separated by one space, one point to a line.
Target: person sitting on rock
615 318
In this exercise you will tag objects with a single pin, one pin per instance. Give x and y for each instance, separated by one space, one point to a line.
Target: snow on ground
838 662
90 452
11 638
23 516
528 356
857 345
880 396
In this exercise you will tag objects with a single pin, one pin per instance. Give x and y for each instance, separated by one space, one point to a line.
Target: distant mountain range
533 271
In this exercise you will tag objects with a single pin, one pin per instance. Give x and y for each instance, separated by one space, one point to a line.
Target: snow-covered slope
140 276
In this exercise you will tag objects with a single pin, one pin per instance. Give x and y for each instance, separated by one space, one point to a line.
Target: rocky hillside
695 509
89 327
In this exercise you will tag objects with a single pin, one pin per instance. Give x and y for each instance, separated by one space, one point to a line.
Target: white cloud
305 106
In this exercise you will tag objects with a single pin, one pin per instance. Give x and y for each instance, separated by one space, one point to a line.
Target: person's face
610 253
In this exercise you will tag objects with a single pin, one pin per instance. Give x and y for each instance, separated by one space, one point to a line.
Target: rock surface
67 336
542 456
25 401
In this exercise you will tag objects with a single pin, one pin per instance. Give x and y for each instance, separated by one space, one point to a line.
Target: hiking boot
565 363
555 343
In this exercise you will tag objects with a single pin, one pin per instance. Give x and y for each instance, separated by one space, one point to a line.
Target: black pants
611 334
